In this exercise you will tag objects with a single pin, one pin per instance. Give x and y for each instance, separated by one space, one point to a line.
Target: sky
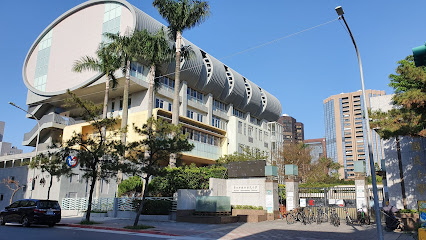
311 59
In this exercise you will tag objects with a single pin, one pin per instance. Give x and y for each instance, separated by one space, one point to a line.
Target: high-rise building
293 131
346 139
6 148
318 148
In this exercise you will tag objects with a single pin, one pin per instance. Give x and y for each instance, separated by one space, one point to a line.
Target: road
17 232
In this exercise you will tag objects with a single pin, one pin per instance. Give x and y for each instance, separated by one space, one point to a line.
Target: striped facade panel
253 104
191 68
273 107
216 83
144 21
235 94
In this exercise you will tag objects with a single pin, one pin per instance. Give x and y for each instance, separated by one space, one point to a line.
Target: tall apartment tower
346 138
293 131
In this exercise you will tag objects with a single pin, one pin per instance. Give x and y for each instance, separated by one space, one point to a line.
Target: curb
117 229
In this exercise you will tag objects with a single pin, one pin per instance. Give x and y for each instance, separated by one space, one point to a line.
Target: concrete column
272 205
361 192
230 110
183 93
115 208
210 108
292 192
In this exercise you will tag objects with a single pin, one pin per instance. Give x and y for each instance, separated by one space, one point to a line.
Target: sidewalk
277 229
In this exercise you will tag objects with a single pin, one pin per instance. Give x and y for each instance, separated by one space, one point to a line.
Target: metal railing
49 118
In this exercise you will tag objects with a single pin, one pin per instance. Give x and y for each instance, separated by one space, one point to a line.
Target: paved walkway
277 229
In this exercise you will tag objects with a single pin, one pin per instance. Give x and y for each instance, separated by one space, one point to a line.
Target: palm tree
181 15
154 50
106 63
122 46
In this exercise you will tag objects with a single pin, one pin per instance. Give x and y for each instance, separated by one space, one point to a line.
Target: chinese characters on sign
246 188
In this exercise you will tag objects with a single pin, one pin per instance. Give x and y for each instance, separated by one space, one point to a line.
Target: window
190 114
260 135
237 113
240 127
250 130
159 103
121 104
216 122
169 83
112 105
219 106
1 196
245 126
200 117
194 95
137 70
170 107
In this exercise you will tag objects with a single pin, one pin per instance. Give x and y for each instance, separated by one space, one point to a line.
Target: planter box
250 215
410 220
132 215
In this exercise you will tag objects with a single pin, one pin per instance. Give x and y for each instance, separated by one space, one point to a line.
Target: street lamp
340 12
38 134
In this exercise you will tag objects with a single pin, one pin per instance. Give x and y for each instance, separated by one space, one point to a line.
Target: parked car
32 211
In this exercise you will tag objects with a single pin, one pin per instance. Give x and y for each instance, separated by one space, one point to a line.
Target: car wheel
25 222
51 224
2 222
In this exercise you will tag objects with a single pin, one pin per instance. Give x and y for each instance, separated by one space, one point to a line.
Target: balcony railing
49 118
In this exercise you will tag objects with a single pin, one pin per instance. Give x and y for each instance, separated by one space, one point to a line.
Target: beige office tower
346 139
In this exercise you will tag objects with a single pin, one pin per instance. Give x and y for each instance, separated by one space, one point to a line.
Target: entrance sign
72 161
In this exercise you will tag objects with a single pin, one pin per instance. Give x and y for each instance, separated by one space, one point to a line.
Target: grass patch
85 222
139 227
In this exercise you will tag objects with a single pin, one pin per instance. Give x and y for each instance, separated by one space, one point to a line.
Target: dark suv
29 211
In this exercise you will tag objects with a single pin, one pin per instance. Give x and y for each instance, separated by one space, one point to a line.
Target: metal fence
105 204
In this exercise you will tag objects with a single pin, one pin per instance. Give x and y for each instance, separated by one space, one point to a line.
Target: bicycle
334 218
291 216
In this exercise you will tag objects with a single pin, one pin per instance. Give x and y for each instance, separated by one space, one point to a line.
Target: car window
48 204
31 203
23 203
15 204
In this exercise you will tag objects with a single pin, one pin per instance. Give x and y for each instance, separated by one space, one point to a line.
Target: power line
228 56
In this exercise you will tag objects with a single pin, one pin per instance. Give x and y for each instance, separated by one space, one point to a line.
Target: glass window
240 127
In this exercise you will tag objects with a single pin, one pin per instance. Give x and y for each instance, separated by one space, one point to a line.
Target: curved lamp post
38 134
340 12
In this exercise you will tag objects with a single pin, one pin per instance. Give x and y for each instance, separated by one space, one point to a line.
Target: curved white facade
47 67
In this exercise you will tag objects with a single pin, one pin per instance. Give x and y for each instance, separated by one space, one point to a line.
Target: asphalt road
17 232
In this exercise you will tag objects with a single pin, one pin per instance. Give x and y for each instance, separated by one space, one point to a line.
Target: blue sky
301 70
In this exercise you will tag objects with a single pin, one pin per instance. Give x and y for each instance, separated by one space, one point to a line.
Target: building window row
238 113
219 106
198 136
160 103
194 95
167 82
217 122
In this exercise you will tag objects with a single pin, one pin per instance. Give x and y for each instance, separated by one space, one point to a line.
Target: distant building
293 131
6 148
318 148
346 139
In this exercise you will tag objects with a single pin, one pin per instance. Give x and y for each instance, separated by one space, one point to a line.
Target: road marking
133 233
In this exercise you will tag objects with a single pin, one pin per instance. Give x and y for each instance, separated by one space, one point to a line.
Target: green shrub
184 177
247 207
139 227
85 222
154 207
130 186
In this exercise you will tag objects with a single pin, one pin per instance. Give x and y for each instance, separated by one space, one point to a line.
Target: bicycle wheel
348 220
290 218
337 221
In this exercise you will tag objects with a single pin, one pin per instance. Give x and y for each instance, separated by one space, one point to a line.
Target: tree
98 154
246 155
12 185
106 63
160 141
409 116
298 154
52 163
154 50
123 46
181 15
320 171
130 187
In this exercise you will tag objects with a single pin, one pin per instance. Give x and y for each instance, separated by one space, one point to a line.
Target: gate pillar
361 190
291 187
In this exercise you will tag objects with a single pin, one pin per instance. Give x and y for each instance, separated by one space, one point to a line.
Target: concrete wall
21 175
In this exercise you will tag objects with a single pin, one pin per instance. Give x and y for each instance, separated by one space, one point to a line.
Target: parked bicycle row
309 215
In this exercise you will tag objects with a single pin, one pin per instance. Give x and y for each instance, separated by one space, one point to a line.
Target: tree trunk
145 191
13 194
105 108
151 90
92 188
175 114
401 172
125 111
50 186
